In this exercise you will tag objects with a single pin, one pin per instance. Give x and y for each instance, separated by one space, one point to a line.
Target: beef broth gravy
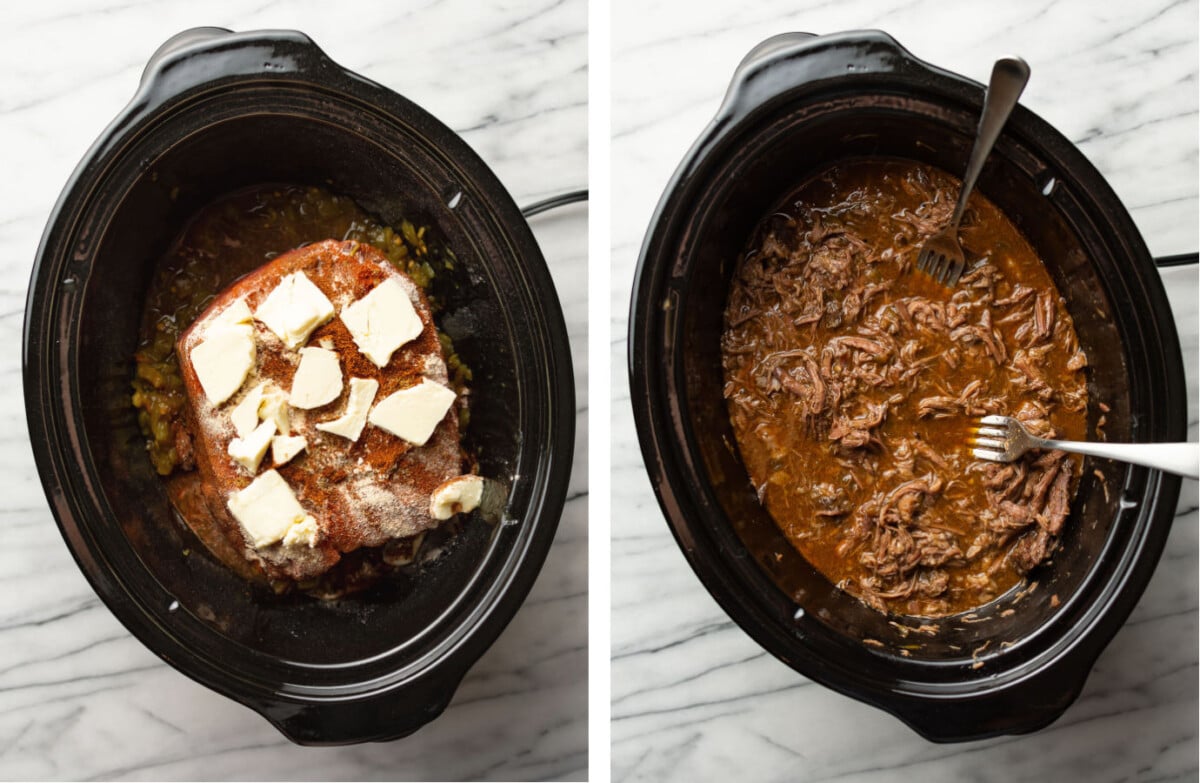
851 380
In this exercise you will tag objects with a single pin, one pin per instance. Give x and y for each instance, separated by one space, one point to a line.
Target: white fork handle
1182 459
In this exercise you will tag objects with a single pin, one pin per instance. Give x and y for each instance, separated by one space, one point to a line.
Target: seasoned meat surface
363 493
850 379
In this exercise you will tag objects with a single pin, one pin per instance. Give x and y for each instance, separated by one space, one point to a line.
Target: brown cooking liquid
851 381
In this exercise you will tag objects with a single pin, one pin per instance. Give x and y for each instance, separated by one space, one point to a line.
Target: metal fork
942 256
1003 439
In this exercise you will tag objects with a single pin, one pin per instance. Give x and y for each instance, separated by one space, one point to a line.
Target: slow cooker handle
200 55
765 49
381 717
1025 707
794 61
177 42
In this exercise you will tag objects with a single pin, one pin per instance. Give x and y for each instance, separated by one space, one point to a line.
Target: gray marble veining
693 697
79 696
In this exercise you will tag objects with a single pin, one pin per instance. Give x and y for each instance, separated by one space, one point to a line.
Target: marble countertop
80 698
693 697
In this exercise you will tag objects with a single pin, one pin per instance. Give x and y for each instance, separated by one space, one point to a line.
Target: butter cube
285 447
294 309
268 512
414 413
248 452
382 321
227 354
245 413
273 407
318 379
350 424
303 533
459 495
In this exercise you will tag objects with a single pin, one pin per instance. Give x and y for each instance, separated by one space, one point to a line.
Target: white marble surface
693 697
79 696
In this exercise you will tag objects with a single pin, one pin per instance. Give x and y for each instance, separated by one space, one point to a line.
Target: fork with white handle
1004 439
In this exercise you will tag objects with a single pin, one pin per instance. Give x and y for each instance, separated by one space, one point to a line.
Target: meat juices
850 379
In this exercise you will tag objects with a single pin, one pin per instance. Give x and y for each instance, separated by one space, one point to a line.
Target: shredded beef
851 379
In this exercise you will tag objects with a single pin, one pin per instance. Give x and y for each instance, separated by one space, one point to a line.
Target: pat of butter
274 408
350 424
234 315
303 533
318 379
226 355
294 309
269 512
248 452
265 402
382 321
459 495
285 447
245 413
415 412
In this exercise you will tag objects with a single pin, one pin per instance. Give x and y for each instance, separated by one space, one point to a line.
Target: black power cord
561 200
1177 260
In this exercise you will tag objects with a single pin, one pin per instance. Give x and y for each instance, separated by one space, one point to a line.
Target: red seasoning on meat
297 396
850 379
362 491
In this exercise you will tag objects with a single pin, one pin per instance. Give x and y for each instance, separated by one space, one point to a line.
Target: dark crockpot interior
764 143
225 157
129 200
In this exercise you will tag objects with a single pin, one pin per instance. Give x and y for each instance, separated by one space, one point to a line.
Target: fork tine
956 270
990 432
940 272
988 454
947 268
1001 421
989 443
944 268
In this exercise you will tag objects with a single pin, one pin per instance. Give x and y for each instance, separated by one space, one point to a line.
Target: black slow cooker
799 103
216 112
